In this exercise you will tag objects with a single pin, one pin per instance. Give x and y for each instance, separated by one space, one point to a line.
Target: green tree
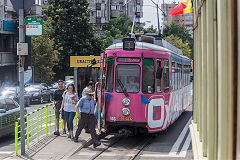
150 29
72 32
116 29
184 46
177 30
44 57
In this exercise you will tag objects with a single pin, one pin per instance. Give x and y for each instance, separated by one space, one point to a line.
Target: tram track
130 146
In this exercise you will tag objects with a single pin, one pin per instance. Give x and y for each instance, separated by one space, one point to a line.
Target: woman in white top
70 99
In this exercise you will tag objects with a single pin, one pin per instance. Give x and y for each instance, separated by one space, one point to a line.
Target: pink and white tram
142 90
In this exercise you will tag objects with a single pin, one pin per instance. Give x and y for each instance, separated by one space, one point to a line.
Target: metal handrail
36 125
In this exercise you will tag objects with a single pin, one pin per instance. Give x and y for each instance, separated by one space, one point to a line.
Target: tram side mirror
159 73
93 61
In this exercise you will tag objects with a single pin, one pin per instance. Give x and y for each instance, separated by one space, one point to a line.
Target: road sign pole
21 80
75 78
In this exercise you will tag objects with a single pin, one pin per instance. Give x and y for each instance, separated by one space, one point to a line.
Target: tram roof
145 46
141 45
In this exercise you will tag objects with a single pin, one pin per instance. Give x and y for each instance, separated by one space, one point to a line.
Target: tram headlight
126 102
125 111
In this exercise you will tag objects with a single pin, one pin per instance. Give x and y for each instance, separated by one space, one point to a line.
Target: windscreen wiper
123 88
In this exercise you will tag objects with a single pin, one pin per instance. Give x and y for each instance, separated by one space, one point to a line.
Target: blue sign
10 25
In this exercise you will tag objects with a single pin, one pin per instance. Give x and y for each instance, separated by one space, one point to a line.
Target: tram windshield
127 78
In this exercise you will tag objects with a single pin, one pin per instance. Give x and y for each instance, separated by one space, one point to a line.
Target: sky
150 12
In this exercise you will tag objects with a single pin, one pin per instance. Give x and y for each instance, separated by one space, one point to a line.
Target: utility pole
20 6
75 78
126 16
21 77
159 31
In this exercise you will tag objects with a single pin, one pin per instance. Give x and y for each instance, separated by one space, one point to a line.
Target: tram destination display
128 44
128 60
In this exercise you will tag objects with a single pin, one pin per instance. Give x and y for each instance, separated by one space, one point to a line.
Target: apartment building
8 34
184 19
104 10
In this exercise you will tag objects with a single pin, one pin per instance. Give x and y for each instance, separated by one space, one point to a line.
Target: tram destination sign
128 44
34 26
128 60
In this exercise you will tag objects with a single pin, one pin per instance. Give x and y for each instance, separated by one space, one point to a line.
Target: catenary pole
21 77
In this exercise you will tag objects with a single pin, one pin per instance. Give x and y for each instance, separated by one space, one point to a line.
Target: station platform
55 147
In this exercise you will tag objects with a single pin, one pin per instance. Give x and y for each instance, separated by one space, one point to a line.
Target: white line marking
174 150
6 152
158 155
185 146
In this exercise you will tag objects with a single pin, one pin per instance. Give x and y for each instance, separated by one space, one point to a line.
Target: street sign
22 49
34 26
84 61
18 4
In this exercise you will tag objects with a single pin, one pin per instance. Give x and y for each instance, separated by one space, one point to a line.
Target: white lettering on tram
161 120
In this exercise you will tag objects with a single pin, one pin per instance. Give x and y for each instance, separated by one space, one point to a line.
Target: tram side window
185 76
166 75
179 76
110 70
173 75
148 76
176 77
189 68
159 75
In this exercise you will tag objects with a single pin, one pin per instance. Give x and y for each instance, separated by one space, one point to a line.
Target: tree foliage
177 30
44 57
178 42
150 30
72 32
117 29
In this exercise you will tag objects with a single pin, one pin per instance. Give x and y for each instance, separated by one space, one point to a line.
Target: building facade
8 34
105 10
183 19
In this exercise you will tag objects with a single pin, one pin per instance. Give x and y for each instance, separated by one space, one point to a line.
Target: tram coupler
125 132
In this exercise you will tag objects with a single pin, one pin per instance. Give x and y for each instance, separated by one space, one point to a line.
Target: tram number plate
126 118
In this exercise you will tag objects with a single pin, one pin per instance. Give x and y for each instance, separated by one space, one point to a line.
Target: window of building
99 13
148 76
113 7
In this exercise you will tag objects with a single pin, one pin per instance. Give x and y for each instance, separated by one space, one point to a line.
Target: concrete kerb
87 143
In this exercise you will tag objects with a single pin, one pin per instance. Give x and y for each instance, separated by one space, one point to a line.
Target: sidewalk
55 147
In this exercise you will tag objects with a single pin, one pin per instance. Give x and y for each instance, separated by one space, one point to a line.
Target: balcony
7 49
98 6
7 58
139 14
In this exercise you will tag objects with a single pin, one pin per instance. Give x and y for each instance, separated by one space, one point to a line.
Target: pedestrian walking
57 102
70 99
90 86
85 110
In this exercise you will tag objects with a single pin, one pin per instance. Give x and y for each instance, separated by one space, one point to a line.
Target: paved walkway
55 147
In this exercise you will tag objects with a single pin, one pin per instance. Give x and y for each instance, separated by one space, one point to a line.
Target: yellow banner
83 61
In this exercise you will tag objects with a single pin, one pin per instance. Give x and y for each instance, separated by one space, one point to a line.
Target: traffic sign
34 26
22 49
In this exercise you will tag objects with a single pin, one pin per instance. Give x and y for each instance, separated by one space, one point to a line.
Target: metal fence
38 123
